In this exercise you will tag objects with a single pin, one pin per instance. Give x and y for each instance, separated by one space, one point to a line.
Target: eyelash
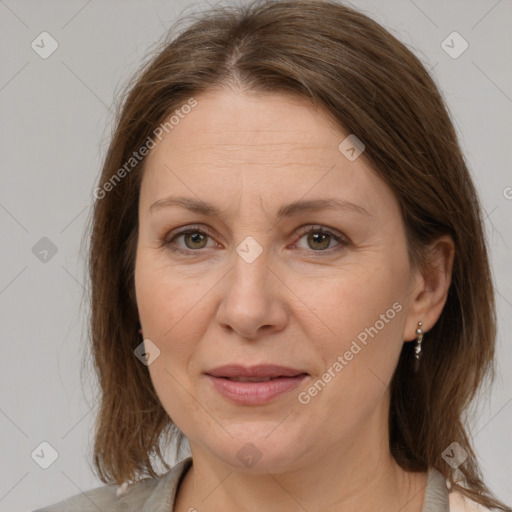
342 241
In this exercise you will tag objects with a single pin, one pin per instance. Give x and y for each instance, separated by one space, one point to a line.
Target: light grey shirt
158 495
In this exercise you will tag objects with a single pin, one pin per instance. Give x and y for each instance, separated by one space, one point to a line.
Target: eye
193 237
319 239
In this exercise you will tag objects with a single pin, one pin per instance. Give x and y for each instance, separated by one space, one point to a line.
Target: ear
430 287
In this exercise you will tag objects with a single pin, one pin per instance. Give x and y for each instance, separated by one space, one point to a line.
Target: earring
417 348
140 328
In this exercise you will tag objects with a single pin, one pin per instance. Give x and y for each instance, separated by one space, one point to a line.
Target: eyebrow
288 210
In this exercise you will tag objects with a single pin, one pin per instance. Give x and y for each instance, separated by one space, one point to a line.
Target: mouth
256 385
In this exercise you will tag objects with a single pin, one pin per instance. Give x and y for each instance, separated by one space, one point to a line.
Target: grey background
55 124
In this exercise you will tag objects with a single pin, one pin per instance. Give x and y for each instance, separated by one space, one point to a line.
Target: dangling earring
417 348
140 328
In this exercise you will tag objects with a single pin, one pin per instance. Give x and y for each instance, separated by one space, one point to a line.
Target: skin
300 303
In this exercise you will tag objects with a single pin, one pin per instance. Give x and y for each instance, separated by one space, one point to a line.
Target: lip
260 370
283 380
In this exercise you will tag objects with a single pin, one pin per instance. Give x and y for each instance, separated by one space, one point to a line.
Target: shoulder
440 496
461 503
114 498
105 498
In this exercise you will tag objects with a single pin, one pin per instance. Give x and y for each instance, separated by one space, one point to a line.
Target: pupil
196 237
315 238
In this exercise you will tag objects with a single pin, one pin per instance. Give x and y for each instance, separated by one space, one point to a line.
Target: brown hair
374 87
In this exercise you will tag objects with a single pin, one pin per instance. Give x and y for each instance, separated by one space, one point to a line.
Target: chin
259 447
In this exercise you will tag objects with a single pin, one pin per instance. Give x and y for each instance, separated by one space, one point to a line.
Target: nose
254 299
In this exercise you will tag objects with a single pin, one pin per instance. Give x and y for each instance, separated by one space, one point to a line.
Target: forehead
248 126
266 146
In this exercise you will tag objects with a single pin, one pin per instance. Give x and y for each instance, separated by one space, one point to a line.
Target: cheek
167 302
347 305
163 302
175 310
361 318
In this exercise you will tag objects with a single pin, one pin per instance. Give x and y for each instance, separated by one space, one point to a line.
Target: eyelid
186 229
319 227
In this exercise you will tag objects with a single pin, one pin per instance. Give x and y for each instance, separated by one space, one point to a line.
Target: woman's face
323 291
